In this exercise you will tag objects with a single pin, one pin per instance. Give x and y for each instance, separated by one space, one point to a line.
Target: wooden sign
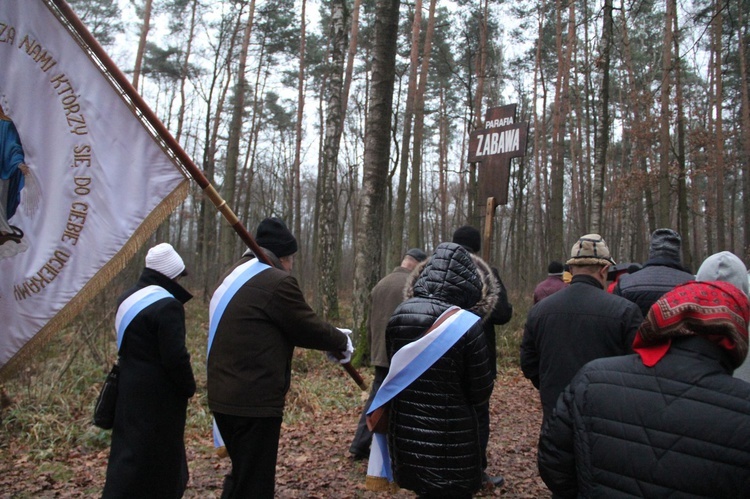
493 146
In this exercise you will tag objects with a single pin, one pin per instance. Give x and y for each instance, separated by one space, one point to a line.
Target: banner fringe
380 484
105 274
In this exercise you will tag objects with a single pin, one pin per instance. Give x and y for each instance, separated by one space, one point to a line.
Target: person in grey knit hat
726 266
660 273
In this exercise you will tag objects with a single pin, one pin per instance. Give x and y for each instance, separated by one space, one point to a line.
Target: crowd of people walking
641 371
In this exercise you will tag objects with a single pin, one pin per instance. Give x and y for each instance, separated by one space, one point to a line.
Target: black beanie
555 268
468 237
273 235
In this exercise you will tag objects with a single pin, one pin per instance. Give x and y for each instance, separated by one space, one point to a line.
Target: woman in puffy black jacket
433 435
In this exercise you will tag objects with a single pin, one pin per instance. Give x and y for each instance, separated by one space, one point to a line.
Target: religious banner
494 146
84 180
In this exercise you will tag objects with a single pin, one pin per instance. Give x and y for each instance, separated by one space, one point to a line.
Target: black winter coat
433 434
678 429
657 276
570 328
147 458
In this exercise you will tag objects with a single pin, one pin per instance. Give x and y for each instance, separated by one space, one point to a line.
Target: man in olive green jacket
258 316
387 294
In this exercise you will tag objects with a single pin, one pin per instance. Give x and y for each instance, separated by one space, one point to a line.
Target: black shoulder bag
104 410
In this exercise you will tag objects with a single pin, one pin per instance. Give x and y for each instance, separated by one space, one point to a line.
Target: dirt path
313 462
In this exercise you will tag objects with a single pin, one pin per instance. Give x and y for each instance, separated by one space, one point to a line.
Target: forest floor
313 454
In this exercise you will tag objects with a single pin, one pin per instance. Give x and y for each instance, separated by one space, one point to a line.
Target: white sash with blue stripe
226 291
408 364
219 301
134 304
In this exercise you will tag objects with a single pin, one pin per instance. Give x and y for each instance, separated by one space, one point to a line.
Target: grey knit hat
665 243
724 266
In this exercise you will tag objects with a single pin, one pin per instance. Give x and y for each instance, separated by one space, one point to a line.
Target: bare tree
296 168
415 213
328 219
602 132
399 213
377 154
227 236
665 101
145 27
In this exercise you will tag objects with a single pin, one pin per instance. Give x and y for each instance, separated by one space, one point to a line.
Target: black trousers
360 446
253 445
483 420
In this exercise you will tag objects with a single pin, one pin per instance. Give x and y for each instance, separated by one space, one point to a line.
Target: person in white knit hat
164 259
147 458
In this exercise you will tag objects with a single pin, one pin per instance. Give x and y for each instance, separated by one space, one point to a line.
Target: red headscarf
715 310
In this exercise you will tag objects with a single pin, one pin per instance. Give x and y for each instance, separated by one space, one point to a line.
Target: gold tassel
380 484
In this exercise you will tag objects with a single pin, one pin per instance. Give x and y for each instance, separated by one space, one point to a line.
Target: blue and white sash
219 301
134 304
226 291
408 364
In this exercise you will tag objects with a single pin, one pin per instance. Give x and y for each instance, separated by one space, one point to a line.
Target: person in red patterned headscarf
669 420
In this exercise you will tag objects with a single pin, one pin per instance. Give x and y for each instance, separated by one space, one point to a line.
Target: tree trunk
375 169
184 71
682 206
540 190
602 129
415 211
721 226
227 235
745 130
665 142
207 221
350 56
560 110
474 212
328 229
297 167
145 27
399 213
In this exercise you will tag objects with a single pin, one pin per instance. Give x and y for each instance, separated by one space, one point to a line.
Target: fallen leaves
313 460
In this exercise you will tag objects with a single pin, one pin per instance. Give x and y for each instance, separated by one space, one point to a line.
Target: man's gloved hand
343 356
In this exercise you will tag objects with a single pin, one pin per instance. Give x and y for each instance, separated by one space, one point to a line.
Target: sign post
493 146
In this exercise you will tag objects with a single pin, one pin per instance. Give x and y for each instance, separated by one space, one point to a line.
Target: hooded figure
433 434
726 266
668 421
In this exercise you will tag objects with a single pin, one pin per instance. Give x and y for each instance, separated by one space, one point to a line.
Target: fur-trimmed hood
454 275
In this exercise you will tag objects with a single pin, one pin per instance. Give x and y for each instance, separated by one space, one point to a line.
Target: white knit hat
163 258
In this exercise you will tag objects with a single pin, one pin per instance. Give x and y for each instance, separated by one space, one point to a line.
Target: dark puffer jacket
433 435
678 429
657 276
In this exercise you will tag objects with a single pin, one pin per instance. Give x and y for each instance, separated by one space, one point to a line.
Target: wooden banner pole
124 86
489 218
